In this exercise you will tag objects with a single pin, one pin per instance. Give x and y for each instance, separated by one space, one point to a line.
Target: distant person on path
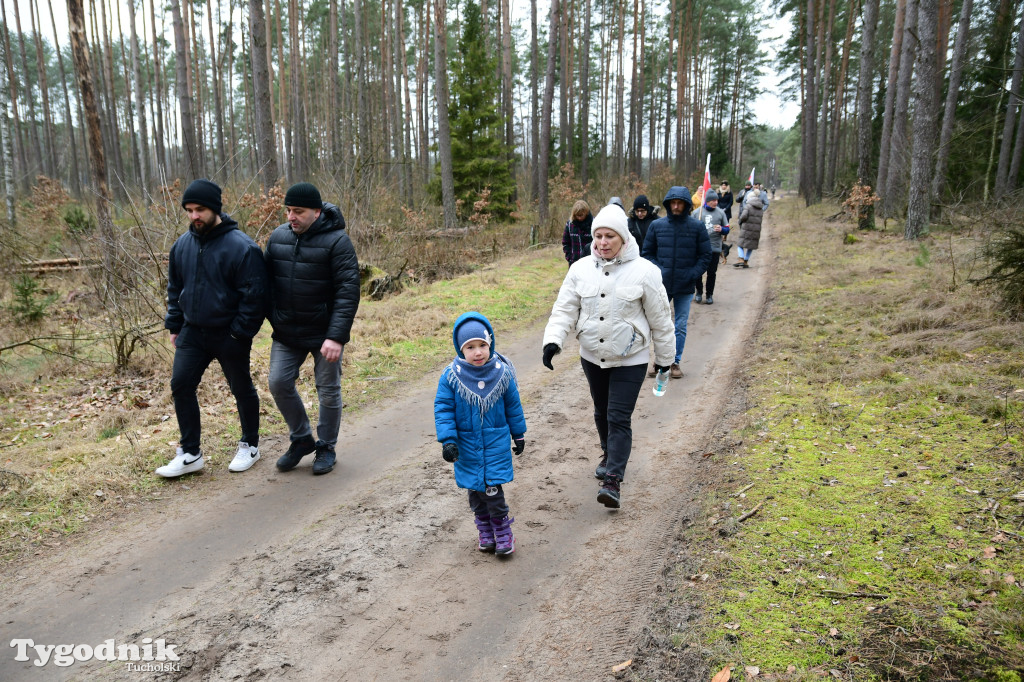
725 203
725 199
750 229
576 236
476 412
614 303
761 192
717 227
216 302
679 245
640 218
747 188
314 283
773 192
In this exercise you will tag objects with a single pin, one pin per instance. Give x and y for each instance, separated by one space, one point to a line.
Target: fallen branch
750 513
854 595
742 490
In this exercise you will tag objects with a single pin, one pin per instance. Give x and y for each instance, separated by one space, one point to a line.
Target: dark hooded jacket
725 203
216 280
576 238
679 245
314 282
637 227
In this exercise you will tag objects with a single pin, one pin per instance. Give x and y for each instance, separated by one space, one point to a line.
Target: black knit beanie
204 193
303 194
641 201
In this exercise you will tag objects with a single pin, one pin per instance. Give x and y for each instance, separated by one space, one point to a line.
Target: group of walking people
626 297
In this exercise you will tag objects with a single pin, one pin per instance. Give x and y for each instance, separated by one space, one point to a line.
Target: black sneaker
299 449
602 468
609 493
325 458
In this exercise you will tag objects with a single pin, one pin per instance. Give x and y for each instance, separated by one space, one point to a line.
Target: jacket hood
330 219
677 192
479 317
227 223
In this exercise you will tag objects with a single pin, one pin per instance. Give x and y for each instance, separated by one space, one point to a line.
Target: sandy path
371 572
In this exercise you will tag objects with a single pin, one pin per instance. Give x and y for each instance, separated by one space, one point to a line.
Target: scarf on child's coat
482 386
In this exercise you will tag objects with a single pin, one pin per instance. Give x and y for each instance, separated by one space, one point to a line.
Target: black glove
518 445
550 351
450 452
661 368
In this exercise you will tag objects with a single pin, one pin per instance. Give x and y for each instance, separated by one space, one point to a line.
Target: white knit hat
612 217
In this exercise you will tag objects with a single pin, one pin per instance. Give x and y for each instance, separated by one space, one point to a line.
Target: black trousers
614 391
712 276
196 348
494 505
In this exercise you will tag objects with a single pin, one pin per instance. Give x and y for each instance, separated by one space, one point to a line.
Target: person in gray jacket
314 283
717 226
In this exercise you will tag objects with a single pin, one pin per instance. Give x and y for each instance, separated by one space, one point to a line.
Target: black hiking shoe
325 458
299 449
602 468
609 493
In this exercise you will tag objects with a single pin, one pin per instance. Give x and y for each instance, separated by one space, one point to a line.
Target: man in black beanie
216 303
314 278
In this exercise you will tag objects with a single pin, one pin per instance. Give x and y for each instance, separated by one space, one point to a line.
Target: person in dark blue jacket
476 410
679 245
216 302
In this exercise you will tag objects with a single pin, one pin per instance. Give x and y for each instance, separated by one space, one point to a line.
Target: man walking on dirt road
314 281
216 302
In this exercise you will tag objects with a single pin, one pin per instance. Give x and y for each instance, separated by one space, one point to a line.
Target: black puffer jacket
679 245
314 282
216 280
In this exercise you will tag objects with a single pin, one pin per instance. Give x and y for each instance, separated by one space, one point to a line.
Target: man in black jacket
314 281
216 302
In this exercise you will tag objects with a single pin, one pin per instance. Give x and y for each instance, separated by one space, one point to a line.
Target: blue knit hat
471 330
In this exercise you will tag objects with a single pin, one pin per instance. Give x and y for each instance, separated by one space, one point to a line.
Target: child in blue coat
476 410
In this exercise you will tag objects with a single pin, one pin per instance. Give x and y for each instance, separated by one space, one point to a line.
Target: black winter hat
641 202
304 194
204 193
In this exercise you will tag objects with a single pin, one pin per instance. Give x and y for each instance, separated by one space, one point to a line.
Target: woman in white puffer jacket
615 303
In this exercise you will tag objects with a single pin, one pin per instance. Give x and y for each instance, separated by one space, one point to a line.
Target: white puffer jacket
615 308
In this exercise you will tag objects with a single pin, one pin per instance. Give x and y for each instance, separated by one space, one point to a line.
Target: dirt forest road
372 573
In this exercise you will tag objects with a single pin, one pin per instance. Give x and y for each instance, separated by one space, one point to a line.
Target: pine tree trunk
1009 121
506 80
33 130
218 95
140 101
6 149
12 82
885 143
300 141
864 94
925 122
563 82
840 97
585 98
534 104
161 150
76 178
266 151
83 71
894 193
545 119
444 135
49 138
194 166
808 169
952 96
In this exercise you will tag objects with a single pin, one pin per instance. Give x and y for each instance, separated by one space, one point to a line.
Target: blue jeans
745 254
285 363
196 348
614 391
681 305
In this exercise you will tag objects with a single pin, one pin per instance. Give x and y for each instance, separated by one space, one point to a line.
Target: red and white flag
751 178
707 178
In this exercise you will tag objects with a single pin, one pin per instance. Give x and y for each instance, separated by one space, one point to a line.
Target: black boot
325 458
299 449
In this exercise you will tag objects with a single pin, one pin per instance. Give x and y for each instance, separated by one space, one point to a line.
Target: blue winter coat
679 245
484 438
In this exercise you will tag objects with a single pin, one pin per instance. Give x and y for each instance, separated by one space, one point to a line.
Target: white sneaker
183 463
245 457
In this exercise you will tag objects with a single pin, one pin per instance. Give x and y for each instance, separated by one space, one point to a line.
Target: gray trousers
285 363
